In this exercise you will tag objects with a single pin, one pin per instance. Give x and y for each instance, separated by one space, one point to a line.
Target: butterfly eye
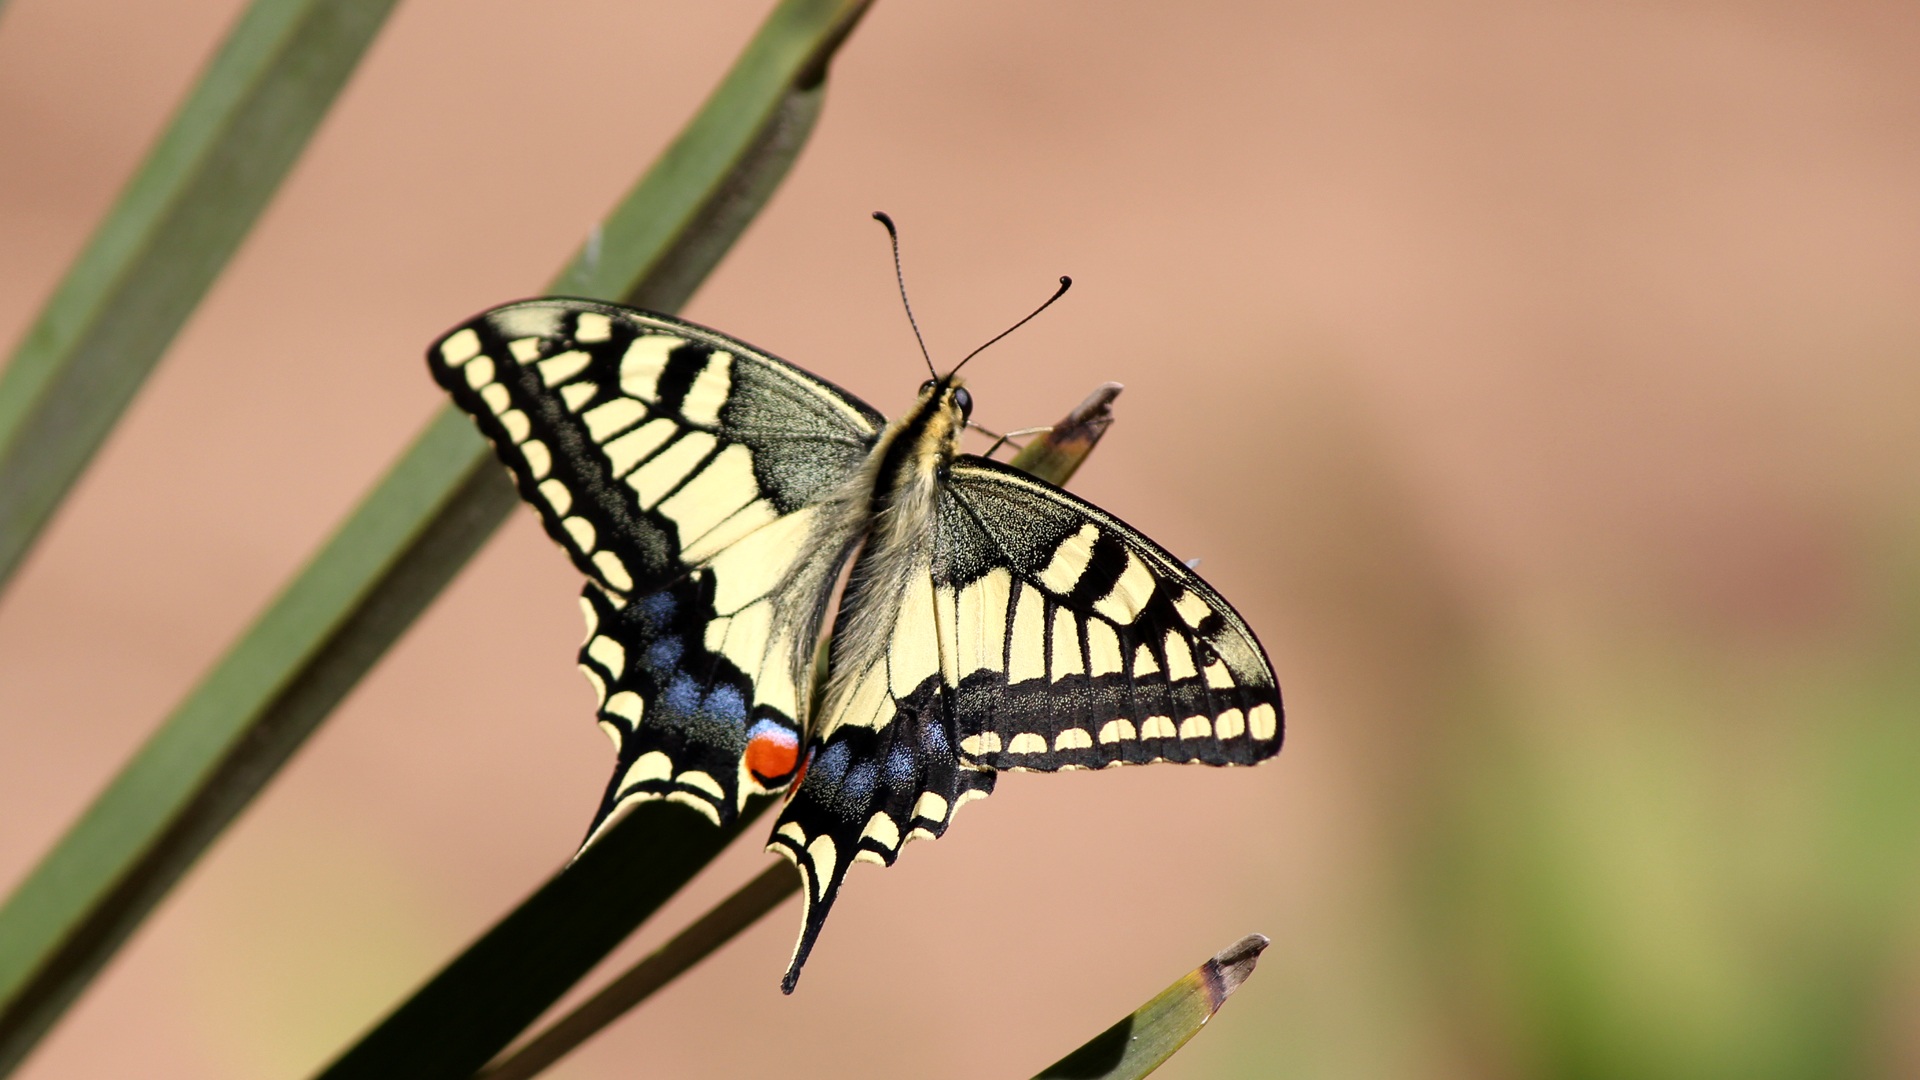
965 401
926 386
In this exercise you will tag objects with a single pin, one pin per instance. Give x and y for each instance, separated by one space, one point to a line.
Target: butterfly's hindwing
1077 642
689 723
683 472
883 767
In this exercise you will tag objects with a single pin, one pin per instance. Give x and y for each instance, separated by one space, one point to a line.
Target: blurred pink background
1539 381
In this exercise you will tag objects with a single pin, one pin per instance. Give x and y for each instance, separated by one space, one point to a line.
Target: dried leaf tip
1231 966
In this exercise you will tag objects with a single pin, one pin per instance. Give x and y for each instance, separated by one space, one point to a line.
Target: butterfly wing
684 473
1037 633
883 766
1076 642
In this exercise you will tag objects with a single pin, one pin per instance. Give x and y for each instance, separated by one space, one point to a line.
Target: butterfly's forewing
682 471
1039 633
1077 642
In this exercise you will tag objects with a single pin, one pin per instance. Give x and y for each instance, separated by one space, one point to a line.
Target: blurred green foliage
1618 838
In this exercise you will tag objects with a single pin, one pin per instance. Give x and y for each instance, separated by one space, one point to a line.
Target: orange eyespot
772 753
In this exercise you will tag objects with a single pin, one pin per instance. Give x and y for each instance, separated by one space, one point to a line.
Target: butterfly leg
1006 439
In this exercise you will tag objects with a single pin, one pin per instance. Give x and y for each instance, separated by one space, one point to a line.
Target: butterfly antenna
1065 284
894 235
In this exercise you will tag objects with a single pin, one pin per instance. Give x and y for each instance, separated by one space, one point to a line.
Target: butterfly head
935 423
915 450
948 394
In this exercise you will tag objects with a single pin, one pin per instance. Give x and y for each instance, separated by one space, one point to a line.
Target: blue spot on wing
682 695
900 766
859 782
664 655
727 703
829 766
767 729
934 736
657 610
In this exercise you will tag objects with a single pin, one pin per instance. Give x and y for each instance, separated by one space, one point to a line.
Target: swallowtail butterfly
712 494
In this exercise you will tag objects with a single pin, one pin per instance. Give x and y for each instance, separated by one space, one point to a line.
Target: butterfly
713 494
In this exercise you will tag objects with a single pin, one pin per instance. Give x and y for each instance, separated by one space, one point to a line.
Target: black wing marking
1072 641
680 470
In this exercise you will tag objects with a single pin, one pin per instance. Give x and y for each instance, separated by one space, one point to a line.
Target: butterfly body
713 494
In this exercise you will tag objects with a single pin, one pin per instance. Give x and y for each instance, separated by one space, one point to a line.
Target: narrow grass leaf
690 946
1144 1040
479 1003
389 559
166 239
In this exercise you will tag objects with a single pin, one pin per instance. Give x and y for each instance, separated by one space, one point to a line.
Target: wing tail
867 792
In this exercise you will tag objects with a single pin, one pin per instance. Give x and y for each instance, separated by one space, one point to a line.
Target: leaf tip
1231 966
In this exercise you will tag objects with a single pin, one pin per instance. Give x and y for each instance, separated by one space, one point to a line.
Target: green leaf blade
221 746
773 96
660 967
477 1004
1144 1040
179 220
